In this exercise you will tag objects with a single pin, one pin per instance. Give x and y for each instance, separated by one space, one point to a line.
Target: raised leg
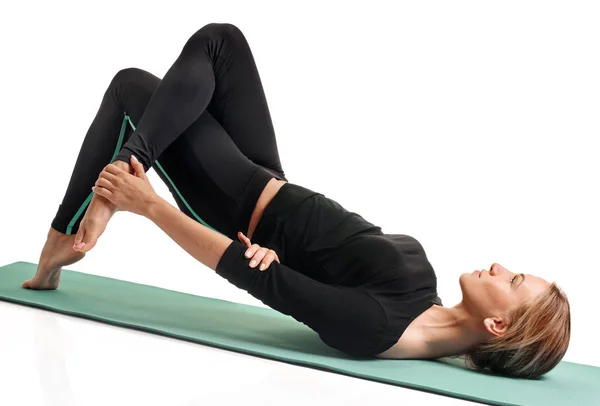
208 124
215 73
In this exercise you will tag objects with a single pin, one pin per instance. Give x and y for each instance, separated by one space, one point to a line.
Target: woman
206 129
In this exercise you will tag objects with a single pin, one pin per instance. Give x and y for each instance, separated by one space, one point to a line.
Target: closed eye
522 275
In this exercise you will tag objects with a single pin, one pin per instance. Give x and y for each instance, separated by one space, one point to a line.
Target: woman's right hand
258 253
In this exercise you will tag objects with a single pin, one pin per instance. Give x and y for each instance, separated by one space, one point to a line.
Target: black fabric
339 274
208 124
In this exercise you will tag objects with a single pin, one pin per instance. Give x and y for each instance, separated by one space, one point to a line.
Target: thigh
194 191
203 168
239 103
210 177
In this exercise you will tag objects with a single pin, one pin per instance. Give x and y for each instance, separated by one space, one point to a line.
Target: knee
224 30
127 75
215 31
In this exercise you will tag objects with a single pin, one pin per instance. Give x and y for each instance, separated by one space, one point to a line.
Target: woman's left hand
258 254
128 192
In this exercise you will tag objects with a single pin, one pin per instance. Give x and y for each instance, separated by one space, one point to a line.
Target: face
493 293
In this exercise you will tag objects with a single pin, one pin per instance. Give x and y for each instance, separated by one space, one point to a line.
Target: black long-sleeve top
357 287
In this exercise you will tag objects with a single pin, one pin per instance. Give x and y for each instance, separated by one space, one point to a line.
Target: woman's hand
129 192
257 253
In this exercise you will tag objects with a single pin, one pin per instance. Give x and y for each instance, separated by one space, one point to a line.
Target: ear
496 325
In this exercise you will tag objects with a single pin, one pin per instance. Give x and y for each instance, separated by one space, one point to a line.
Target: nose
496 269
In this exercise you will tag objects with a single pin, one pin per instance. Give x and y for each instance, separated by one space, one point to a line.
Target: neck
450 331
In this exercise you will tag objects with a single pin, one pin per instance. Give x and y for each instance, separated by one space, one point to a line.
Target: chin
463 278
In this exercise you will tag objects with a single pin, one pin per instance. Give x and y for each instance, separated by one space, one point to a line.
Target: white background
469 125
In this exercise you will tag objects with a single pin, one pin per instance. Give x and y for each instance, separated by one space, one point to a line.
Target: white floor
467 125
56 360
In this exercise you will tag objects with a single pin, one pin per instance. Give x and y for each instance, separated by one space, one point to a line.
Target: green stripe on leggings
158 165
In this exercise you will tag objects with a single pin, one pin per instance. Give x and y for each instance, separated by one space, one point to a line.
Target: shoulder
405 241
408 253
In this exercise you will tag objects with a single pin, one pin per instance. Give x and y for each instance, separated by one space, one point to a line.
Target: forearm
204 244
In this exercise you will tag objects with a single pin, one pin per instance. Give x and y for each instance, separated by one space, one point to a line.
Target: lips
478 273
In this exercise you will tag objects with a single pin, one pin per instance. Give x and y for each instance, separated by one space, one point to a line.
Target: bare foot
57 252
93 224
96 218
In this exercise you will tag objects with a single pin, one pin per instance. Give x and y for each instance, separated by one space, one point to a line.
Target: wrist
153 207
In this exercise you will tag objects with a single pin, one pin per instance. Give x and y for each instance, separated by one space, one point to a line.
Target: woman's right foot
57 252
93 223
60 250
96 217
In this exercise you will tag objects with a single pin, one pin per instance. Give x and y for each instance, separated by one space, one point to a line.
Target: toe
78 245
79 236
88 246
26 284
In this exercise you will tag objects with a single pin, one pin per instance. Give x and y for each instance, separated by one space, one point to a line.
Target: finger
105 183
251 250
115 170
99 190
79 237
107 175
267 260
138 168
276 257
244 239
258 257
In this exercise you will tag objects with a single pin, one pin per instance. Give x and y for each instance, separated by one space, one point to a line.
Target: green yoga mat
266 333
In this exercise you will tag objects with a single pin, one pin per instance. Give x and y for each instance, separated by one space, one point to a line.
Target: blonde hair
535 340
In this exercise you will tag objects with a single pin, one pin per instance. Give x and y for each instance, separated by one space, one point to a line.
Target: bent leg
204 169
227 153
215 71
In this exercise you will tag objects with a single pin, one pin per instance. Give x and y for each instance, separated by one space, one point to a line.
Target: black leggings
205 128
